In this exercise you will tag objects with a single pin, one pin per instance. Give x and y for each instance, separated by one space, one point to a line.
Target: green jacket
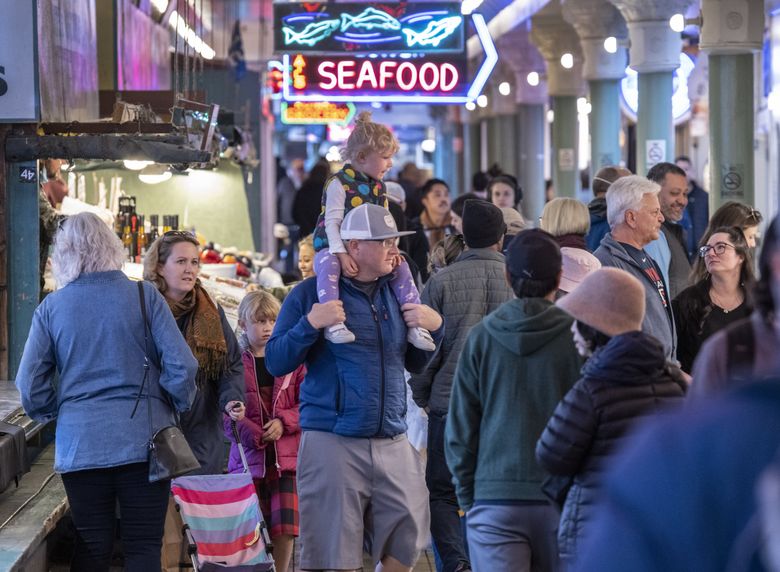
516 366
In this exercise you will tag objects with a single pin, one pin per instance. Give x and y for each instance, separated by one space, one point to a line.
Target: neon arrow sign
402 78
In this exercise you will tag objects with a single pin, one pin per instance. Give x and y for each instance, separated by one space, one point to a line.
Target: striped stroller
222 521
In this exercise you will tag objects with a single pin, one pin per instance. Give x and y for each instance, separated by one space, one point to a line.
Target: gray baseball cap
370 222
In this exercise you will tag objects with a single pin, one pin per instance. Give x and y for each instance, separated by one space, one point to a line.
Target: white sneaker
339 334
420 338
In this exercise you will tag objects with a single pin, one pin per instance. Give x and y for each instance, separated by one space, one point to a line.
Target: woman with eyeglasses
720 295
172 264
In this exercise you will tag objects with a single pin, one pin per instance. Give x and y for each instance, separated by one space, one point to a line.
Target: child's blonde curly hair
369 136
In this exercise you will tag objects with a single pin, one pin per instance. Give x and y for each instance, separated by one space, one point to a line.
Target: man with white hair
635 218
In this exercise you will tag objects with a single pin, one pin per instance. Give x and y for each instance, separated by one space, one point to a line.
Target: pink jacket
250 429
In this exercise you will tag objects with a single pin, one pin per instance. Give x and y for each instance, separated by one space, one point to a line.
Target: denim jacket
83 366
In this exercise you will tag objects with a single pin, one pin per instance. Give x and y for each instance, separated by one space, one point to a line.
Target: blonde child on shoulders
369 154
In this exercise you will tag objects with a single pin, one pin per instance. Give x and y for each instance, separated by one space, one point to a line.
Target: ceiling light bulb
550 116
611 45
504 88
136 165
677 23
482 100
567 61
470 105
532 78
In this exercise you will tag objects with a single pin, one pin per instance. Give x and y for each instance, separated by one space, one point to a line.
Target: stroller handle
239 445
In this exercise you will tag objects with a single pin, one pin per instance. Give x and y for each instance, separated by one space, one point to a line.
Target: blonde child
369 153
270 432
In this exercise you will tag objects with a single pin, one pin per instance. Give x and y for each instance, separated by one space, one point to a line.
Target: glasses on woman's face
718 248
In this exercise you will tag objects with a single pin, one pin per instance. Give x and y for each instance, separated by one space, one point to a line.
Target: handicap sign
655 151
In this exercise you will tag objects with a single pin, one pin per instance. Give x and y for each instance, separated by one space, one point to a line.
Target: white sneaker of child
339 334
420 338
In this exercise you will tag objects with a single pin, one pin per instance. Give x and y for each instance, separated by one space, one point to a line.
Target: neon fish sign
391 78
393 27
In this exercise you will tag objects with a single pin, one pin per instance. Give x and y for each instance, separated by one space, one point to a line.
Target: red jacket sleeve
290 415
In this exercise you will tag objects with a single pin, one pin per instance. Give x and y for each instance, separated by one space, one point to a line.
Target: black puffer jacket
624 380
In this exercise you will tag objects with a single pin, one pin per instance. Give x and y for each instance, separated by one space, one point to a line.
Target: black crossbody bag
170 455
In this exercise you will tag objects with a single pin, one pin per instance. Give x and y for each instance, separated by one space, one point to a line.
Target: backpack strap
741 347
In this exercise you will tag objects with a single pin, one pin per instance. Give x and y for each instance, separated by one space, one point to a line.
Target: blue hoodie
357 389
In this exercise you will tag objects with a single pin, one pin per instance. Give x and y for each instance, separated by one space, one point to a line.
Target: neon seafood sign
388 77
324 27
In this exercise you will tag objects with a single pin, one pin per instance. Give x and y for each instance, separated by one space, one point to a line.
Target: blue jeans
446 528
93 495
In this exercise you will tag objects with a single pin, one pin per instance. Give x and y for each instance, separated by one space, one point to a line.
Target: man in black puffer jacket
626 378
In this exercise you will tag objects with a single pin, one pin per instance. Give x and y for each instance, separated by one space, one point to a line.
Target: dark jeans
93 495
446 528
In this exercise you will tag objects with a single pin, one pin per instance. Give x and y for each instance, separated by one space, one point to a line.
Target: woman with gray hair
83 365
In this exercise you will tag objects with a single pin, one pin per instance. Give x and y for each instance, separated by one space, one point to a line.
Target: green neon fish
311 34
434 32
369 19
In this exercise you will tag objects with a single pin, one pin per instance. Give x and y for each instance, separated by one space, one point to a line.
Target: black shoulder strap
146 350
741 349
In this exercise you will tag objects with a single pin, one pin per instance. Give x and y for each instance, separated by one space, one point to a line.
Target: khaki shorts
360 494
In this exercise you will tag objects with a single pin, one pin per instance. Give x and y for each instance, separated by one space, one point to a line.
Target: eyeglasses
719 248
387 242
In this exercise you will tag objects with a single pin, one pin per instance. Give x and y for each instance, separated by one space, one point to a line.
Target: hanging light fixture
154 174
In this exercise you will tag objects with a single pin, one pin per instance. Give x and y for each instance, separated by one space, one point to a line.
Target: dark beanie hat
483 223
533 255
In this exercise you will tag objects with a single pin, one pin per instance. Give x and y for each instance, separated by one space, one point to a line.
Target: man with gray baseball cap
354 459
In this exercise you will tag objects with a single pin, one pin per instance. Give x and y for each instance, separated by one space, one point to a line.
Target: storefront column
732 109
22 220
565 143
604 124
595 21
471 144
531 123
555 38
654 55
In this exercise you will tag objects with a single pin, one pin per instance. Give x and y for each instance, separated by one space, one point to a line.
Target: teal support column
23 259
471 152
493 141
604 124
566 176
507 156
732 173
654 131
531 123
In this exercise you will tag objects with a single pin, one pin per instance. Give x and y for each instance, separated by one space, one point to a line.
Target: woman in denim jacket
83 365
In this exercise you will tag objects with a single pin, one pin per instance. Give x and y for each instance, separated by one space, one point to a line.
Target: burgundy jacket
250 429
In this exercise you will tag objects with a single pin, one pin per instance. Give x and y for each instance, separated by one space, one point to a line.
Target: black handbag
169 453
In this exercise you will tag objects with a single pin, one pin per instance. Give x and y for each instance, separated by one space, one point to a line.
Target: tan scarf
203 332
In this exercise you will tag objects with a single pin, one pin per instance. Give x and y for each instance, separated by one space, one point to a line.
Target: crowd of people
535 354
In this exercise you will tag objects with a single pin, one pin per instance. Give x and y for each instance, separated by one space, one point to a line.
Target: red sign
431 75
